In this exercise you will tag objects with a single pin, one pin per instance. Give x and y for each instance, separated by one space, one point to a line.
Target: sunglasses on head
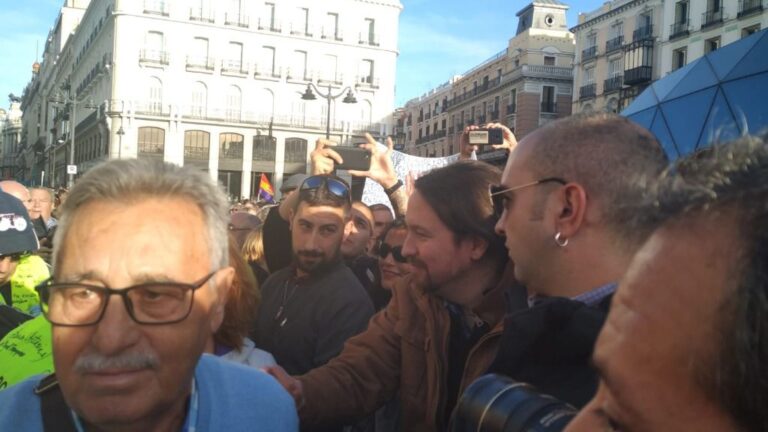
397 252
498 192
334 185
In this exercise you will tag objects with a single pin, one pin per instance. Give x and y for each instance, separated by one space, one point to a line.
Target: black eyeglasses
153 303
498 192
334 185
397 252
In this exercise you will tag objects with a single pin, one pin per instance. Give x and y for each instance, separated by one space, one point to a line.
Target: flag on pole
265 189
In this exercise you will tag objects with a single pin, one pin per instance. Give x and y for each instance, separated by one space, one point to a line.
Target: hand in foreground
291 384
323 159
509 144
382 170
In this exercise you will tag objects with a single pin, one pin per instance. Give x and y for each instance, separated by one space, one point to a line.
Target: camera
486 136
496 403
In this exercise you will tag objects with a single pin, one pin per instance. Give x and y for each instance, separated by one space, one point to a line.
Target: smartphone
355 158
486 136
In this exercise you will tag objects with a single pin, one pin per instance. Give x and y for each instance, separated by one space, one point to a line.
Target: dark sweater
318 315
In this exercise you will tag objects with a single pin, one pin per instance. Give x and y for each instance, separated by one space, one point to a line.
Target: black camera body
488 136
496 403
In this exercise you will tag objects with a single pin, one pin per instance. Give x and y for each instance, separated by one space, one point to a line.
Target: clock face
549 20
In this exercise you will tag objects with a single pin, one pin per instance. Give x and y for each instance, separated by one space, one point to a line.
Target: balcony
300 31
613 84
298 75
371 39
325 80
548 107
201 15
237 20
367 82
711 18
267 71
589 53
749 7
587 91
270 25
200 63
511 109
156 7
234 67
476 92
614 44
331 34
637 75
153 57
642 33
679 29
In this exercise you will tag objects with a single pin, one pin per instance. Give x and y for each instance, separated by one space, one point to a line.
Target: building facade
524 86
216 85
617 54
10 137
697 27
626 45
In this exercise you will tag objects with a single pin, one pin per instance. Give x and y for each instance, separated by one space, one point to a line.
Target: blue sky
438 38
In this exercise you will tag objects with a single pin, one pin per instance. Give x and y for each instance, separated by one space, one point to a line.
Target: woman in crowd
253 252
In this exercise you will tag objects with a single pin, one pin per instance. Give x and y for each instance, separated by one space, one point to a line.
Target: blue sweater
231 398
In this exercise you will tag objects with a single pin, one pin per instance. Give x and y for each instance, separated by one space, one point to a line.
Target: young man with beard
442 326
312 307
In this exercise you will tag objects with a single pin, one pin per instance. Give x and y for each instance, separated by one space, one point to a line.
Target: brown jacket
403 348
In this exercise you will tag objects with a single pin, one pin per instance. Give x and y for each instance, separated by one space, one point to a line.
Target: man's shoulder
233 395
21 407
276 278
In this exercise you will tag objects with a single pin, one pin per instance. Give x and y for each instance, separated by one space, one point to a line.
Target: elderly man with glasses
132 303
559 208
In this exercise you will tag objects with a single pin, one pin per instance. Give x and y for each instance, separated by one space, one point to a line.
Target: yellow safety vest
30 272
26 351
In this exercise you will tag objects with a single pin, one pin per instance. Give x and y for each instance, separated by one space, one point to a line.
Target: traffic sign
71 169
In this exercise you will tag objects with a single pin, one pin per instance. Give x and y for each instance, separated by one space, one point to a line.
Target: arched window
296 150
233 103
196 145
230 146
264 148
151 141
265 103
155 95
199 100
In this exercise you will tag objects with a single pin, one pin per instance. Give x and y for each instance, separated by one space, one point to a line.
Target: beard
420 277
313 261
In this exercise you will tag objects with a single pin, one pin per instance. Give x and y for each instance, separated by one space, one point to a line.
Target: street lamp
70 99
120 132
328 96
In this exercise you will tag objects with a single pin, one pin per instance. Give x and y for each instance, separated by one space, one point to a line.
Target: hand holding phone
354 158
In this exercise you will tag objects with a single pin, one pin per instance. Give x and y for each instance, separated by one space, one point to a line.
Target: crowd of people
591 268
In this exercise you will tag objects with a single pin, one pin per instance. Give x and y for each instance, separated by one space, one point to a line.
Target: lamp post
328 96
70 99
120 132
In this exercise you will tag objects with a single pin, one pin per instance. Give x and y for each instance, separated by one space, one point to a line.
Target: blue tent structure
717 97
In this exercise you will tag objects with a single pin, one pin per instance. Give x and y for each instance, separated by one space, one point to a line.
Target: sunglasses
498 192
397 252
334 185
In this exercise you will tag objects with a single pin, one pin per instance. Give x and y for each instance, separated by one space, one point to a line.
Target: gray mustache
94 363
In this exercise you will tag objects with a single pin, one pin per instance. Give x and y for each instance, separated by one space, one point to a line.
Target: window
296 150
591 40
230 146
265 103
269 16
746 31
234 60
301 26
299 70
331 28
329 72
155 95
589 76
369 32
548 99
154 47
233 103
151 140
617 30
267 66
199 54
199 100
366 72
711 45
615 67
264 148
679 58
549 60
196 145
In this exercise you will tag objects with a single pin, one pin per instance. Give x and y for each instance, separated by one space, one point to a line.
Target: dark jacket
550 347
318 315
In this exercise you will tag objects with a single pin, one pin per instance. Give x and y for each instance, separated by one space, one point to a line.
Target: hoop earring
560 241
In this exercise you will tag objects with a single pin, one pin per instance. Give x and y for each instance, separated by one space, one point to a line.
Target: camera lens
495 403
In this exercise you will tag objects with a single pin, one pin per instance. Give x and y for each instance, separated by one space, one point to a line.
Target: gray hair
51 195
725 178
126 181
